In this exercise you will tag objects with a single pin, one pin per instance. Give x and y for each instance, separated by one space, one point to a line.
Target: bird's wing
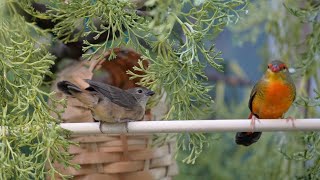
114 94
257 87
252 95
292 86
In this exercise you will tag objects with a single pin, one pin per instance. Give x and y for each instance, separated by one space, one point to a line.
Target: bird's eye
283 66
139 91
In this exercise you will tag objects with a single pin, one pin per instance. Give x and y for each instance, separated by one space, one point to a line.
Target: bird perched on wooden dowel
270 98
110 104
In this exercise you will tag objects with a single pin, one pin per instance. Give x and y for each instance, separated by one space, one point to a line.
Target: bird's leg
292 120
126 123
100 124
253 122
100 127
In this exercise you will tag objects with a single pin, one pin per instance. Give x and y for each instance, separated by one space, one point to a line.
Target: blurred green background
269 30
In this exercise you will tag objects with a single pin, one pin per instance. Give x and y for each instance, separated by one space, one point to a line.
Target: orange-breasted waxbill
270 98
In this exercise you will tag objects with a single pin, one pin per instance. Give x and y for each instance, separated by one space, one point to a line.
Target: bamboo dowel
149 127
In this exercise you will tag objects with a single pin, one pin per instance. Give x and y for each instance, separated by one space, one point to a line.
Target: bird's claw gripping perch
292 120
126 123
253 122
100 127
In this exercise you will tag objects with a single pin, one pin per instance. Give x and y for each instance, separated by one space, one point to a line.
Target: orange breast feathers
273 99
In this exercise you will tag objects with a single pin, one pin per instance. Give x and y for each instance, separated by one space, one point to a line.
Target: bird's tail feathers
68 88
247 138
85 97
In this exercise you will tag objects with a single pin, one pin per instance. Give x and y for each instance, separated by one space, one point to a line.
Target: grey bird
108 103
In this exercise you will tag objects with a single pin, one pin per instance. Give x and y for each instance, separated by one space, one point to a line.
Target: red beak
275 68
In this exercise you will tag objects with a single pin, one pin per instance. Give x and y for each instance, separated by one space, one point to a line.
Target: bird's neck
279 76
143 104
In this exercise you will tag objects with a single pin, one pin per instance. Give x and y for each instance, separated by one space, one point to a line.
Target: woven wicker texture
117 157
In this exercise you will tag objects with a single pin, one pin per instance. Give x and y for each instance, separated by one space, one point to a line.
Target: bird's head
277 66
277 69
141 94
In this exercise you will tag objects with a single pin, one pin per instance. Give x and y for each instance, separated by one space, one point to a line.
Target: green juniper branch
32 137
173 37
309 67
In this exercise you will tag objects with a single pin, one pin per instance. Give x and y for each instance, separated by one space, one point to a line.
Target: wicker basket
118 157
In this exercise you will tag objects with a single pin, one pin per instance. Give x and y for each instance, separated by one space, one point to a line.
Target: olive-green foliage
30 138
225 160
173 33
294 29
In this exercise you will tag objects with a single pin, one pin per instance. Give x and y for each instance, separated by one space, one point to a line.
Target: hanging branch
176 33
172 35
23 64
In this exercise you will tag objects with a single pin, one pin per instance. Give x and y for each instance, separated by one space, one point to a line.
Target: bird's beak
150 93
275 68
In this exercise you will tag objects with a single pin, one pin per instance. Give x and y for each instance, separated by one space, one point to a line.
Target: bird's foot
292 120
126 123
118 121
253 122
100 127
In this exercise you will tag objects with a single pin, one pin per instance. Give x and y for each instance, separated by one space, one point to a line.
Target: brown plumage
270 98
108 103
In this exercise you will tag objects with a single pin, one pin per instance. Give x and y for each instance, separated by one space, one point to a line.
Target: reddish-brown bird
270 98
